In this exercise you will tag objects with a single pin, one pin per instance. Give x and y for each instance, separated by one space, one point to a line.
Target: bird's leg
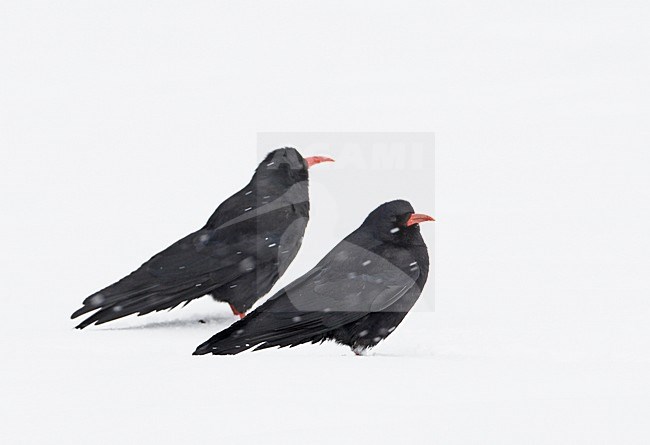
236 312
359 351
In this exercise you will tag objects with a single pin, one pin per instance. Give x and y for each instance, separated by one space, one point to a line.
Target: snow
540 333
444 374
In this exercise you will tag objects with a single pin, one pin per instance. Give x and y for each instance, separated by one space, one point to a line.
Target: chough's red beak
313 160
418 218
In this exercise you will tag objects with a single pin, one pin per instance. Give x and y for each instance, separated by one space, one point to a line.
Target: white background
124 123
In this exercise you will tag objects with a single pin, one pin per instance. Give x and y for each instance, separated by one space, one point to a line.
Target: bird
356 295
236 257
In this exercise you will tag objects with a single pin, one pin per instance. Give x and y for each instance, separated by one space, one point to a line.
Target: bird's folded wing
352 279
188 269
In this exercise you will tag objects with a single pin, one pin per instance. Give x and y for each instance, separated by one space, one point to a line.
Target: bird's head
396 222
288 165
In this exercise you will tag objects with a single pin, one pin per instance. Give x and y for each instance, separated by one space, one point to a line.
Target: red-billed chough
357 295
245 246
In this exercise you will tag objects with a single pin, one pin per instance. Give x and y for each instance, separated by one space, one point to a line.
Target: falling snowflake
247 264
97 299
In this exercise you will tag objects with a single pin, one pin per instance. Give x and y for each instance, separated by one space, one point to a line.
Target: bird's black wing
188 269
349 283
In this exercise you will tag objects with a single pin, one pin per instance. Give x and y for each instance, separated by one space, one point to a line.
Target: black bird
357 295
245 246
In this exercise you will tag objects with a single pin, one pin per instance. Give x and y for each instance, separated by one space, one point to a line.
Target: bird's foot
359 351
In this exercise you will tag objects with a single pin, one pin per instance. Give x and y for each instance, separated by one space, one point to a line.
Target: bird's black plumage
356 295
238 255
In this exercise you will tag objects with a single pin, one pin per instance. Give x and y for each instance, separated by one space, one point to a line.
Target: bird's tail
264 329
116 302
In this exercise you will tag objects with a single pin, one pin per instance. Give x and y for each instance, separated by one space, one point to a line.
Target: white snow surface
124 123
458 375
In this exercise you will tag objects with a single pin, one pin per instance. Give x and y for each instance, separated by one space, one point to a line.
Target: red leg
236 312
